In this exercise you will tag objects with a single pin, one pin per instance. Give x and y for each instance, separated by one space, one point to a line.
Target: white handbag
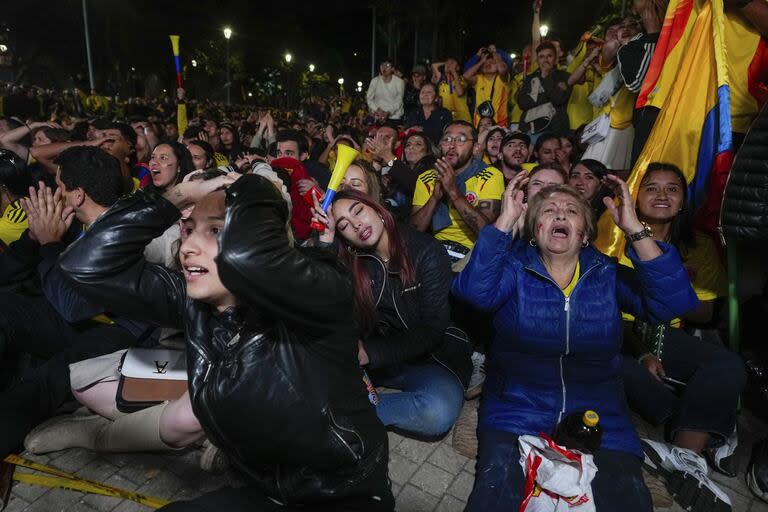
597 129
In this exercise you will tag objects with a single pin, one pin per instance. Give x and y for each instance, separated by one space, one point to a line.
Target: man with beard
515 148
460 195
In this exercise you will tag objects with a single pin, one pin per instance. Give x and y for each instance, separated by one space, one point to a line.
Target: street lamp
513 56
227 35
544 30
194 63
340 81
288 58
3 48
311 68
359 84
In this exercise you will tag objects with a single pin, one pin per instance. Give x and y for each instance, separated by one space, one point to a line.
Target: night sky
48 34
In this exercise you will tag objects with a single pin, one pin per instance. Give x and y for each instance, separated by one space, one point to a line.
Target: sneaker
757 471
478 376
723 459
685 473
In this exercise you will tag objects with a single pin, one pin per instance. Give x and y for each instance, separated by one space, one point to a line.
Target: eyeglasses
460 140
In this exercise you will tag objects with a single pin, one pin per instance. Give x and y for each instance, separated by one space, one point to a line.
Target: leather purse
150 377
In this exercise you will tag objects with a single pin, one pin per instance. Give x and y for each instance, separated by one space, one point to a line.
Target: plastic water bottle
580 431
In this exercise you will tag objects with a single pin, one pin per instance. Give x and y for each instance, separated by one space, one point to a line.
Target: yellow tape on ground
63 480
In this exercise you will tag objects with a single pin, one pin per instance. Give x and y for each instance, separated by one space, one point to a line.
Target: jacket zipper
567 310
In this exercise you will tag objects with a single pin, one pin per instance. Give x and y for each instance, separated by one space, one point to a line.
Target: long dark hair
399 259
183 159
681 232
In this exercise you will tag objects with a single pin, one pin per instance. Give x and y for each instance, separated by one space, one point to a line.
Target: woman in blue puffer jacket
557 304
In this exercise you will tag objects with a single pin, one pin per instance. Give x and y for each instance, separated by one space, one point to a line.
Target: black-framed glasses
458 139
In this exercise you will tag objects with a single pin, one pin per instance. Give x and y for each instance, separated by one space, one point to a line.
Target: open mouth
365 234
560 232
193 272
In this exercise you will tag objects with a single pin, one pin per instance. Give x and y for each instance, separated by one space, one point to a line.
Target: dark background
47 40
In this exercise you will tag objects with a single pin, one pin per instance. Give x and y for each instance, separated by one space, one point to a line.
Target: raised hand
623 214
325 218
512 205
48 218
447 178
187 193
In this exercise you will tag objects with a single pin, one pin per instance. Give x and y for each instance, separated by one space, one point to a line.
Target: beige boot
135 432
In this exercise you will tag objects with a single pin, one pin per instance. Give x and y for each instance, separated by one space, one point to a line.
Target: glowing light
227 33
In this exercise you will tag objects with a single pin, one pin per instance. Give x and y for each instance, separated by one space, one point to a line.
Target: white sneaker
478 376
723 458
685 473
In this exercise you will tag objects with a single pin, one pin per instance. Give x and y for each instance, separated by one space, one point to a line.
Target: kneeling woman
273 380
403 278
557 304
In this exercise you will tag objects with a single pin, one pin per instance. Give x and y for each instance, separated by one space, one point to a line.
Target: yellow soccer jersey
488 184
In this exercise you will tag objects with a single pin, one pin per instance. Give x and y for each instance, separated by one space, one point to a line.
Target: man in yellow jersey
460 196
452 88
488 77
14 184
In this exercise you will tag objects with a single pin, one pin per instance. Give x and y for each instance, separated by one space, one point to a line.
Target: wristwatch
643 233
391 162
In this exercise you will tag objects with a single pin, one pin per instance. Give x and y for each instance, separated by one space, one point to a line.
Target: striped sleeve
634 59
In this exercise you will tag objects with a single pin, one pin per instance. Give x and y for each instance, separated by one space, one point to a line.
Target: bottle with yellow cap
581 431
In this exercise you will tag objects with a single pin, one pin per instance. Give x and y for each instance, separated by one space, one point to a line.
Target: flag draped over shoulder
687 81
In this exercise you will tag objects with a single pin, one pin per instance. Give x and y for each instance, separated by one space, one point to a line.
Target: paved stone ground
425 477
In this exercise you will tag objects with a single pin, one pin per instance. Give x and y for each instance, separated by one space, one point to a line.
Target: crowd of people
455 261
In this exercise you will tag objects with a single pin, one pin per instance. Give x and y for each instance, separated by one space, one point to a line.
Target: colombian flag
688 81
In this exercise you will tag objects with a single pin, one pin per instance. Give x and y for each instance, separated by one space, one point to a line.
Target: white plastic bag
557 480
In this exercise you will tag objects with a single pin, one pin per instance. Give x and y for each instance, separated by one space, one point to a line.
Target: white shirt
387 96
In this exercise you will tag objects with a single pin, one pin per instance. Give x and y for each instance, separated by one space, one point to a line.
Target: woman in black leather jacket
403 278
273 380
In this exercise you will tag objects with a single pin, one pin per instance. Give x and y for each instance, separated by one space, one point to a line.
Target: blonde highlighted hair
536 203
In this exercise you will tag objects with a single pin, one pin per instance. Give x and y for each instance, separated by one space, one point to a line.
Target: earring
532 242
585 243
382 220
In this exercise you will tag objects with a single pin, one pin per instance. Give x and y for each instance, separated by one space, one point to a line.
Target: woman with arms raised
556 302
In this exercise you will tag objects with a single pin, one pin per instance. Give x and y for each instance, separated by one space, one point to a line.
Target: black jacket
745 203
552 93
275 384
414 322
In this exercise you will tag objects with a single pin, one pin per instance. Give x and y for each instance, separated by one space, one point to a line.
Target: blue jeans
499 480
715 378
430 400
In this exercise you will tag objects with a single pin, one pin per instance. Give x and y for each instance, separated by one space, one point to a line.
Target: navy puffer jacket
554 355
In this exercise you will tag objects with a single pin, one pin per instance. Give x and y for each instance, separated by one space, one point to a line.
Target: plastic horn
175 46
344 157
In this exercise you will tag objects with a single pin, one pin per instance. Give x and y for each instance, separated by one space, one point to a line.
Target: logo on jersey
471 198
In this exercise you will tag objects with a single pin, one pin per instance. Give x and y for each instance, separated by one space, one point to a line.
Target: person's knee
437 414
732 371
179 417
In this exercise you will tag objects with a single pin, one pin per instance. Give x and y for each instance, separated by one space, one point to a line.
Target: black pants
30 324
643 121
714 375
